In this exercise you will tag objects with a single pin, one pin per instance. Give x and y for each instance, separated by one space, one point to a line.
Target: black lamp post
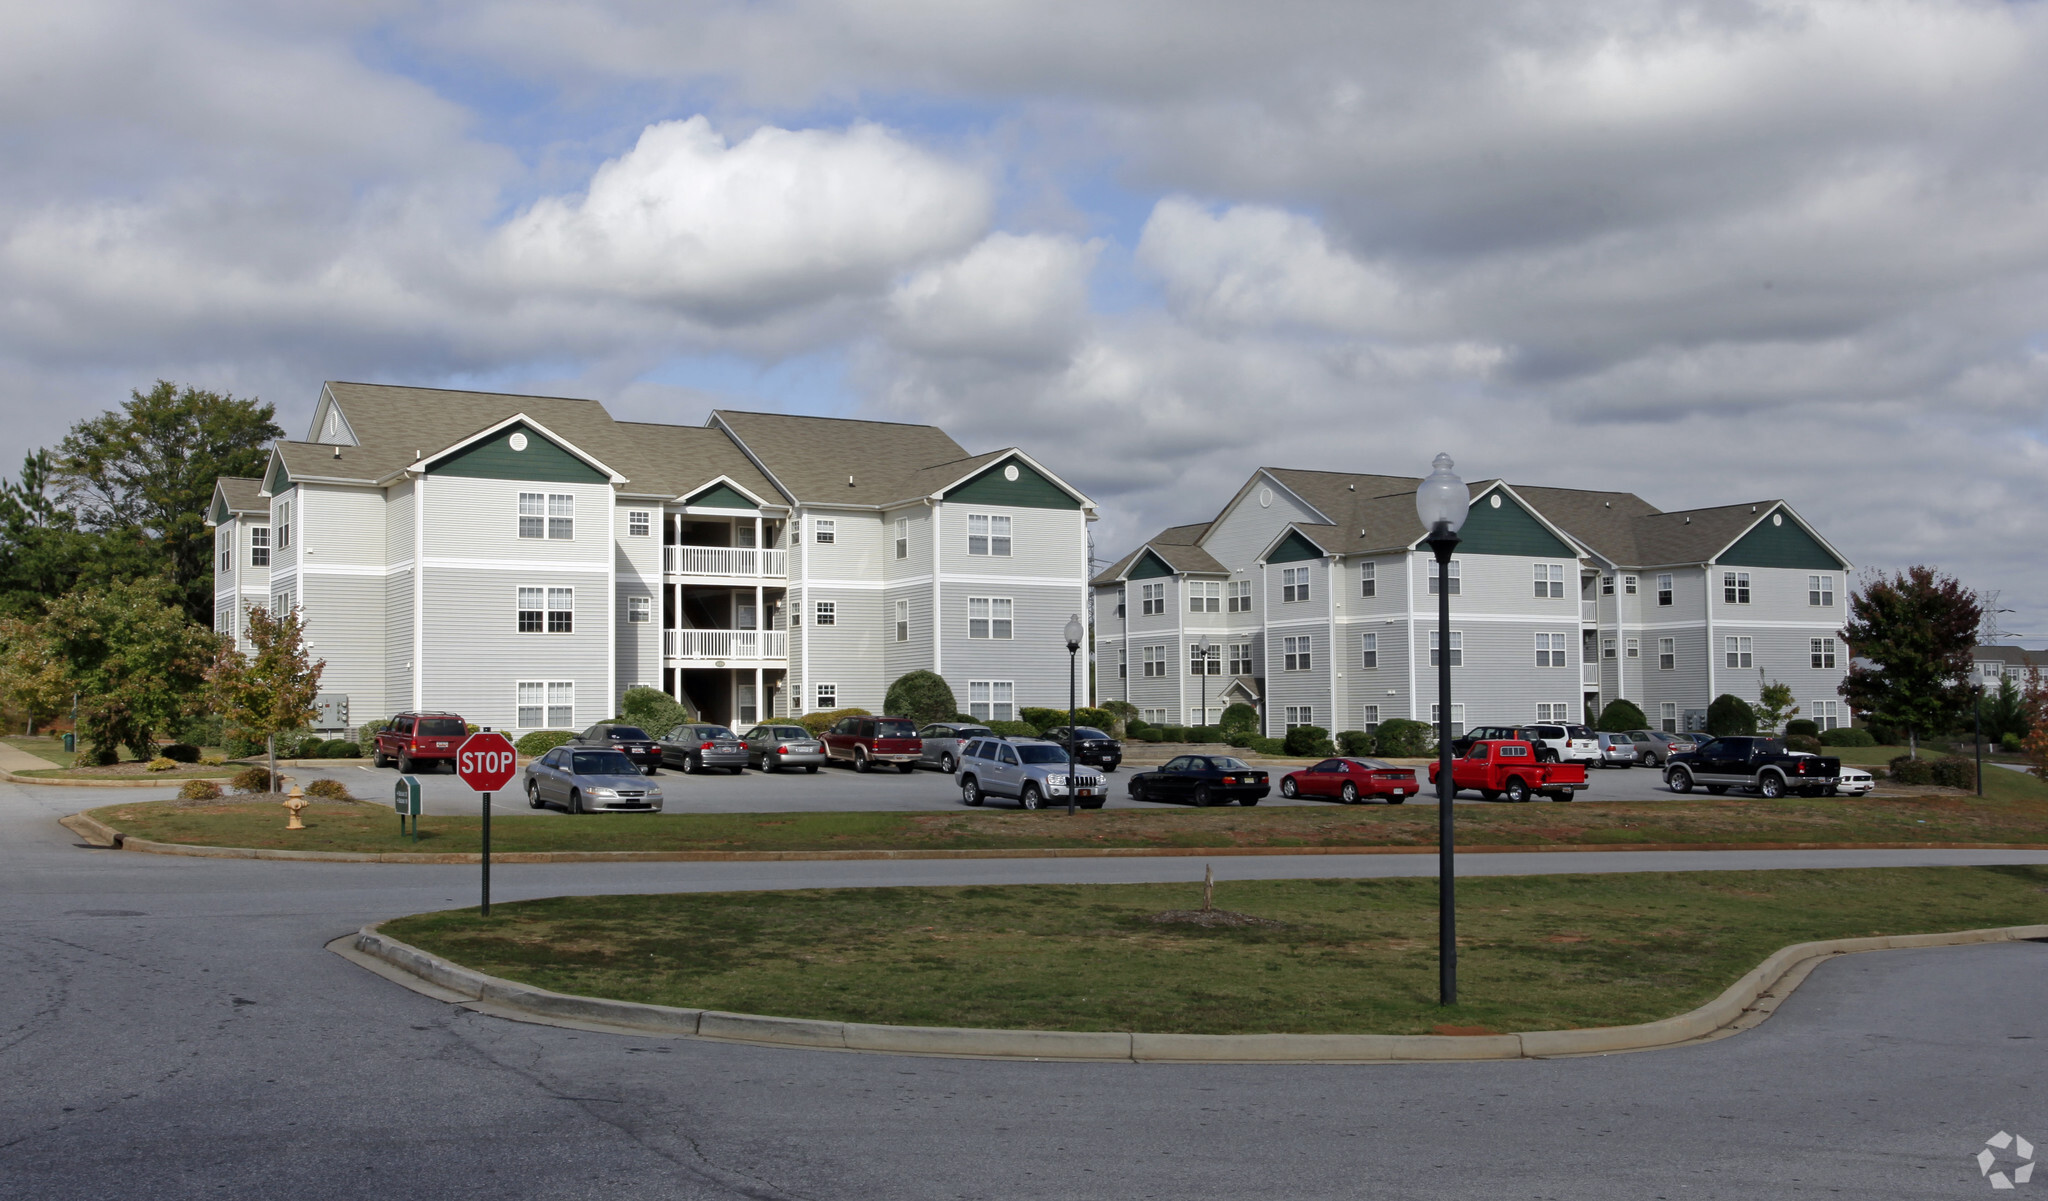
1074 632
1441 502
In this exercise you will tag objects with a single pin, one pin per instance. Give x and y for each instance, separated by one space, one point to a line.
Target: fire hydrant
296 803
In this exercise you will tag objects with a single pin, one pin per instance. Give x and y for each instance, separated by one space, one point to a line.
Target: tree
143 475
1621 716
2005 711
1915 630
924 696
30 673
43 553
131 656
272 690
653 710
1730 714
1774 706
1238 718
1122 712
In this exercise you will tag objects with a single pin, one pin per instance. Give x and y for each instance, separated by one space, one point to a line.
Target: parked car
419 742
588 779
1351 780
1511 768
1202 779
1463 741
1854 781
1760 765
942 741
1654 748
630 741
1562 744
701 746
1617 750
1091 746
1029 769
866 741
780 748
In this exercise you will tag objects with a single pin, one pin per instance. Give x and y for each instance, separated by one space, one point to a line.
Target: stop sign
486 762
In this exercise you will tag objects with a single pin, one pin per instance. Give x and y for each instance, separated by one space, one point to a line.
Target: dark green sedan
1202 780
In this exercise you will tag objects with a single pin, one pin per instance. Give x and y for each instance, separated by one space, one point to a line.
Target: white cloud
1013 297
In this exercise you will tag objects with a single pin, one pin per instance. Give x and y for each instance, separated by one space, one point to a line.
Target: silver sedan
589 780
780 748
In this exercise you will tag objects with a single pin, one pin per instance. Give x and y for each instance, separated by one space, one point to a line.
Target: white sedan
1854 781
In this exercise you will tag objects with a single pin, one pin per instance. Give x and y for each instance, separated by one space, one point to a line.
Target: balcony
725 645
725 561
1589 612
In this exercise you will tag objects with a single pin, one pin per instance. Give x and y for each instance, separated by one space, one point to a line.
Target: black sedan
1203 780
1091 746
632 740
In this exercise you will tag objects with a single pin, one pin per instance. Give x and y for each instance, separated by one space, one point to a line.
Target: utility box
331 712
1695 721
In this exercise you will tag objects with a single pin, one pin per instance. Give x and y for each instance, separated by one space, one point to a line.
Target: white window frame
530 610
824 613
1294 585
1152 717
1368 579
1298 653
1628 585
283 524
1456 574
992 700
1827 713
1607 648
1369 652
1667 654
533 520
1820 591
561 517
903 537
825 531
1205 596
1739 651
1457 718
639 610
259 546
1667 717
1553 712
1123 663
991 617
993 537
1607 585
903 621
1370 719
1240 597
827 697
1240 655
1200 663
1666 594
1635 648
1549 580
561 610
1821 652
224 550
1550 650
639 523
1457 648
1153 598
1735 587
1298 715
1152 660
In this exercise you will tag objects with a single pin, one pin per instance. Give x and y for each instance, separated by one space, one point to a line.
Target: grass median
1347 956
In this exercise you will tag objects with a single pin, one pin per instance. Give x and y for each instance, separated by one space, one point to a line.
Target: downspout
419 598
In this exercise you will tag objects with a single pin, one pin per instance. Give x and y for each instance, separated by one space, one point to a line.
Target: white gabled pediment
330 424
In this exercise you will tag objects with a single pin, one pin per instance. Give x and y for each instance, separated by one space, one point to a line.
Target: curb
1742 1005
172 782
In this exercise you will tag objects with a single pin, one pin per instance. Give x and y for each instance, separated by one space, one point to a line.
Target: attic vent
1777 519
1010 473
1351 487
1688 521
1607 504
1752 508
849 481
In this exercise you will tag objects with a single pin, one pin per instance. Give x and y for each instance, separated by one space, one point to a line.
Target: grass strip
1351 956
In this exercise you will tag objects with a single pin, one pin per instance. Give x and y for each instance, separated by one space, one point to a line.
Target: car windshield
441 727
602 763
895 729
1374 764
629 733
970 732
1224 763
1089 732
1042 754
1580 732
702 733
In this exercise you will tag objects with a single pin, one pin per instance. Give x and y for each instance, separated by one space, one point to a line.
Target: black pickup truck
1761 765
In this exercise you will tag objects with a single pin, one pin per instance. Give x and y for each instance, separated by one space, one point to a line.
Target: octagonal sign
486 762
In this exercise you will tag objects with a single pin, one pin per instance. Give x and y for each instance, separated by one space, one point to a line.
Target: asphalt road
171 1028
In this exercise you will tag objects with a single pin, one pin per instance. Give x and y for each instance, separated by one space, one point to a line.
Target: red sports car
1351 781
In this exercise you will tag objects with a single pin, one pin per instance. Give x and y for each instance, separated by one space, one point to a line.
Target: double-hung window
825 613
1154 598
1437 574
1299 715
988 534
1739 651
638 523
1667 654
1368 579
1550 650
1154 660
1436 714
259 546
1122 597
543 704
1635 648
1820 590
550 515
1735 587
1205 658
1549 580
825 529
1664 588
903 537
1457 649
1823 652
1557 712
561 610
224 546
1628 585
533 603
283 524
281 603
1123 663
639 609
1607 648
1299 655
1371 719
1607 585
828 697
1205 597
1240 596
1240 658
1667 717
903 621
991 700
990 616
1369 651
1293 584
1827 714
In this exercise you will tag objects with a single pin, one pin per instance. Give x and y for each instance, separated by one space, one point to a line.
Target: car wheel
1202 798
690 765
904 769
533 800
1517 791
1029 798
1772 786
1489 794
1288 788
379 759
576 801
768 764
1349 793
860 760
1830 790
970 791
1679 779
1546 756
405 764
811 769
948 764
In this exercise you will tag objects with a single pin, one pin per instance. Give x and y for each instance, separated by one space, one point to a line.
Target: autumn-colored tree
128 652
30 675
271 689
1915 629
2034 703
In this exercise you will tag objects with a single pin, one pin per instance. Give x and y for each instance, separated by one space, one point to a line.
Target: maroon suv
866 741
420 741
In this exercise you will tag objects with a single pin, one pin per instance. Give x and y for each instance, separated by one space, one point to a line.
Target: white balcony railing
724 644
725 561
1589 675
1589 611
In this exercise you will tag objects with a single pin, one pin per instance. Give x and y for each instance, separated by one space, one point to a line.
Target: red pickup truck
1507 768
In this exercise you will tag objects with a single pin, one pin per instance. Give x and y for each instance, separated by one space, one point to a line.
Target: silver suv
1030 769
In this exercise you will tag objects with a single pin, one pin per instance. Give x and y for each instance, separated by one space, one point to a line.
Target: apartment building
240 517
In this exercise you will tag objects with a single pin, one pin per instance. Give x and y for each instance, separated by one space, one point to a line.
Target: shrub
1847 736
1883 735
95 755
199 790
250 780
368 731
1405 738
180 752
1355 743
1620 716
1099 719
1042 718
329 790
237 745
1306 741
1908 770
1730 714
1271 748
1014 729
2011 744
1800 725
337 749
818 723
1121 714
1803 742
652 710
212 760
162 764
1240 738
201 729
540 742
921 696
1954 771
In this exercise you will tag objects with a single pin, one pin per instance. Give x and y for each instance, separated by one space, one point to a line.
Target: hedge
1014 729
540 742
1621 716
818 723
1803 742
1800 725
1730 714
1405 738
1355 743
1272 748
1951 771
1308 741
921 696
180 752
1847 736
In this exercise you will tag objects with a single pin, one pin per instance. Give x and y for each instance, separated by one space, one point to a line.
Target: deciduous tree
1914 631
128 651
272 688
1774 706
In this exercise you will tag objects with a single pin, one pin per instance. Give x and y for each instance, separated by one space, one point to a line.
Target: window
1203 656
1123 666
545 704
283 524
824 529
1122 594
1154 598
1436 714
1820 590
1559 712
561 609
1823 651
1152 717
1735 587
1607 585
280 603
1826 714
1739 652
1368 579
550 515
1607 648
990 616
825 613
1154 659
1635 648
533 515
1664 589
1240 596
1549 579
224 544
531 702
1436 570
1369 651
637 523
1667 717
1457 648
1550 650
988 534
1204 597
1299 655
1628 584
259 546
1300 715
1667 654
1370 722
1293 584
903 621
991 700
639 609
828 697
903 537
1240 658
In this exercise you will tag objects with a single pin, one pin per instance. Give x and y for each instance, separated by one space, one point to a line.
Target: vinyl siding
344 616
637 571
475 654
1035 658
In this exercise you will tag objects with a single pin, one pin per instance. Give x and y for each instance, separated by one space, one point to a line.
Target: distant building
1993 663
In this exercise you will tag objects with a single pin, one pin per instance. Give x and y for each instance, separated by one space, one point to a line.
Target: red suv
414 739
866 741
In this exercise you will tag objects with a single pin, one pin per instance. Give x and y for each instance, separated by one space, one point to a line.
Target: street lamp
1073 652
1441 502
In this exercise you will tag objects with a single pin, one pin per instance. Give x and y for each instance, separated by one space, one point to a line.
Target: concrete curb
91 829
173 782
1741 1006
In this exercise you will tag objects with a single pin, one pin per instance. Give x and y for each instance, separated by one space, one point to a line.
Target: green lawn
51 749
1536 952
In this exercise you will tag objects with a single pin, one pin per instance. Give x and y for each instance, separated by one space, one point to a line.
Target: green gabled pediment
1149 567
721 496
220 509
543 460
1030 490
277 479
1294 548
1783 543
1509 530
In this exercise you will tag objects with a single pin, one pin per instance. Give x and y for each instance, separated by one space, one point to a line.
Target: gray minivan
1030 769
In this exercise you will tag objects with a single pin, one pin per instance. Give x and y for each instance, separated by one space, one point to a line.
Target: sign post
486 762
406 799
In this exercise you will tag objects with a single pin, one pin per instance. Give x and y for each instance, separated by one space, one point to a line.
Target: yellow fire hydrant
296 803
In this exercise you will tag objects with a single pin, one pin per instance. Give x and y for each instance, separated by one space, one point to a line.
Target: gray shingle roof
243 495
394 425
2011 654
811 457
673 460
1694 535
1175 544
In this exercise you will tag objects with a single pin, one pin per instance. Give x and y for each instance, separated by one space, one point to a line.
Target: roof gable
275 478
1149 566
1780 540
1294 548
330 424
721 495
1499 524
1012 483
519 451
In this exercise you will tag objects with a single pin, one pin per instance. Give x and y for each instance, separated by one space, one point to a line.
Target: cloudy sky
1705 252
